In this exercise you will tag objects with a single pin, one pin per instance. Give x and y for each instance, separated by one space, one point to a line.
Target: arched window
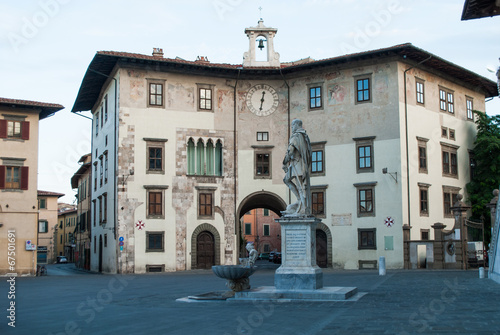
210 158
218 158
191 158
200 158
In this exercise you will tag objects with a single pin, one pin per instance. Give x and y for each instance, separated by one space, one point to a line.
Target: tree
486 167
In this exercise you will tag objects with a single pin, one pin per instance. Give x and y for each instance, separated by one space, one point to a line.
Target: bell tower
264 36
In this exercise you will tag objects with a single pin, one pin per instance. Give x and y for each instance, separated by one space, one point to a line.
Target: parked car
271 256
62 259
264 255
277 258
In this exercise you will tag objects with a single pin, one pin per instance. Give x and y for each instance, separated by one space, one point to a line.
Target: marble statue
252 256
297 166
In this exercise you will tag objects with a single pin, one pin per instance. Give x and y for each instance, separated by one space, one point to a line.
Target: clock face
262 100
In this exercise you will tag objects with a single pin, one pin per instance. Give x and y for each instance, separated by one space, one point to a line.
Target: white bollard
481 272
381 266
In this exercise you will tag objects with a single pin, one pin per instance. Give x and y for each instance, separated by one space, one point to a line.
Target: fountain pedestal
298 270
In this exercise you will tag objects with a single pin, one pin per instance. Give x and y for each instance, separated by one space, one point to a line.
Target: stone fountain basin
233 272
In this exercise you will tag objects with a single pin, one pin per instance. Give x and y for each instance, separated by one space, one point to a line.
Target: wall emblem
139 225
389 222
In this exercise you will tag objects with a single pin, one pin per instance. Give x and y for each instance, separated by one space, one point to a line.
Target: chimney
202 59
158 52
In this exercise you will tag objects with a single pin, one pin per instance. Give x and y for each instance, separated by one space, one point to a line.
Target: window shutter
2 177
3 128
25 130
24 177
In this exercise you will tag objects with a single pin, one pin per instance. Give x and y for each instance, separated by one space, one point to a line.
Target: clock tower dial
262 100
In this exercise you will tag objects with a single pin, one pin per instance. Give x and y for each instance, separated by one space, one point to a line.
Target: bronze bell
261 44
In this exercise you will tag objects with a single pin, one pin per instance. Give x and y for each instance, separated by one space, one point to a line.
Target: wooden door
205 250
321 249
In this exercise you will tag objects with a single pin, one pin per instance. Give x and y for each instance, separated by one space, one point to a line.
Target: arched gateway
261 199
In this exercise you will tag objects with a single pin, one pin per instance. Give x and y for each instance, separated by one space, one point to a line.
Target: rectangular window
43 227
318 203
101 171
14 177
106 108
95 244
446 102
155 204
105 168
450 161
266 230
472 166
95 176
363 90
420 91
100 209
105 207
105 240
424 234
262 162
315 100
94 205
155 94
451 133
248 229
424 202
317 161
422 154
365 204
205 204
262 136
15 129
97 124
364 154
102 115
367 238
469 105
155 241
449 198
444 132
205 98
42 203
155 159
266 212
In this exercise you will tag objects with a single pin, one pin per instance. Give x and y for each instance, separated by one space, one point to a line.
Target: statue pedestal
298 270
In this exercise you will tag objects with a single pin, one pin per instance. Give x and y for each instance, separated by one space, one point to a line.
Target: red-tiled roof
105 61
49 194
47 108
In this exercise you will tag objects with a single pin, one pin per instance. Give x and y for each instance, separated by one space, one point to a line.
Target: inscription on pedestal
296 244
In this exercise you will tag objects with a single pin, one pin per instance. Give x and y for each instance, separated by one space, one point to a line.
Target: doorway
321 249
205 250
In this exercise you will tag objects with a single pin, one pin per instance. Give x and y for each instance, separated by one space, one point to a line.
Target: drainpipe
407 150
288 126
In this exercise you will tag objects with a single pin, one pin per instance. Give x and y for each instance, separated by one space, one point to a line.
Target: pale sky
47 45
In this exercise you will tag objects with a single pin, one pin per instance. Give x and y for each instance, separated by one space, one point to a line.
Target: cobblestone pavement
402 302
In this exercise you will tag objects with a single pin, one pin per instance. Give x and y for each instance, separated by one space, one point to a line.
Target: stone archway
208 228
324 229
261 199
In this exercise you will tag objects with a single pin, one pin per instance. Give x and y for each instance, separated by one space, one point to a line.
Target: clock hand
262 100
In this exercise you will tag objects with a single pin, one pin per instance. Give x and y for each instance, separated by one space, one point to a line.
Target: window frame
357 79
206 87
452 192
449 151
446 100
318 147
46 226
363 187
365 142
256 164
155 189
420 93
161 234
248 229
155 143
205 191
422 159
268 226
42 203
362 231
263 134
155 82
423 204
10 184
425 231
315 86
469 107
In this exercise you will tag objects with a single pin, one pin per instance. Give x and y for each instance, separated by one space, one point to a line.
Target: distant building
258 226
47 226
181 150
66 239
81 181
18 182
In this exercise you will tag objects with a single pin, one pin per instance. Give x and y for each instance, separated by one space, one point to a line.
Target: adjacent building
47 226
66 238
259 226
81 181
181 150
18 182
